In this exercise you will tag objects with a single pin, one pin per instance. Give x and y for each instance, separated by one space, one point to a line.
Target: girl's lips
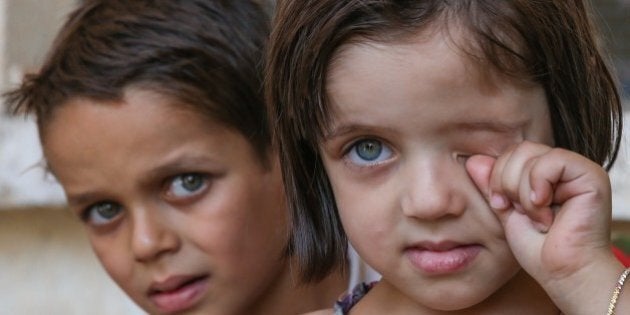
442 258
178 293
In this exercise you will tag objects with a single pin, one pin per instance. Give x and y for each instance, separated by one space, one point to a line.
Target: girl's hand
555 207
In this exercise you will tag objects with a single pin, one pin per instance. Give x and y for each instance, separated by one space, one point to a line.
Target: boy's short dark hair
552 43
206 54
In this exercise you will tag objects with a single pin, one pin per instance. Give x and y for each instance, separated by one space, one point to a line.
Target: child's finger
540 213
510 187
498 199
508 173
479 168
554 182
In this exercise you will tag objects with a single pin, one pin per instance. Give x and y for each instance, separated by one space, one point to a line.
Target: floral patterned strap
347 301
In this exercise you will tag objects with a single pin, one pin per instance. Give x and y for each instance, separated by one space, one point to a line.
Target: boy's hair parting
205 54
552 43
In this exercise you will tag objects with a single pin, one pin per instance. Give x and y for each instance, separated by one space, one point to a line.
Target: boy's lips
437 258
178 293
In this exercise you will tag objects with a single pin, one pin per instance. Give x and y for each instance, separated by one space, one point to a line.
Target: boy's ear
479 168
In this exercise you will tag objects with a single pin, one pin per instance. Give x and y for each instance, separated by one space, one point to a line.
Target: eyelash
86 214
171 194
462 158
351 150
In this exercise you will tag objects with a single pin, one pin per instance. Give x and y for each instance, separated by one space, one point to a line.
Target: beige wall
47 267
29 28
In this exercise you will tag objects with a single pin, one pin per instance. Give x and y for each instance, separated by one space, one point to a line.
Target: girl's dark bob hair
552 43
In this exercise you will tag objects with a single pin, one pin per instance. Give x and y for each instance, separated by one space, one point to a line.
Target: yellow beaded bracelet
617 291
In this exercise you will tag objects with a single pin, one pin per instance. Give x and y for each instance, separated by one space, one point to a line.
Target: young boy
151 117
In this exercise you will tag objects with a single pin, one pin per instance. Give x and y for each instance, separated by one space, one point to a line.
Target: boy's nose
152 237
432 190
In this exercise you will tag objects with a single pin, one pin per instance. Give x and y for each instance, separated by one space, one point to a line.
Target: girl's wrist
589 290
617 291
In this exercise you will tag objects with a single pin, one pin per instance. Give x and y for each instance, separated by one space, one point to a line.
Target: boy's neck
521 295
290 296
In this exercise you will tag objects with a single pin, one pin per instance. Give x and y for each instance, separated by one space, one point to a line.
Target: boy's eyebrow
82 198
173 165
170 166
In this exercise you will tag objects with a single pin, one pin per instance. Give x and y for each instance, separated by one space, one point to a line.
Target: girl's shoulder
328 311
347 301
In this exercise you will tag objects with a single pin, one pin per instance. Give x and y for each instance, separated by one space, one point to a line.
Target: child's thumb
479 168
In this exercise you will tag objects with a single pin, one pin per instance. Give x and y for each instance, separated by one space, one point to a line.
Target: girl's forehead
501 51
428 77
432 46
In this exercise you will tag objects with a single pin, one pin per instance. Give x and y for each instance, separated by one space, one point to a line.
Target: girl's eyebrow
342 130
495 126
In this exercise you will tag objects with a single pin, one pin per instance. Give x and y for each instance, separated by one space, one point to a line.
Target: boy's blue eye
186 185
369 151
102 213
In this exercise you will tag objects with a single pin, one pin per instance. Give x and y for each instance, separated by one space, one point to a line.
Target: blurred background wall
46 265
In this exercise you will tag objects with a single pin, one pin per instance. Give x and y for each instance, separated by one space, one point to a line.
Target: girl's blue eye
462 158
186 185
369 151
102 213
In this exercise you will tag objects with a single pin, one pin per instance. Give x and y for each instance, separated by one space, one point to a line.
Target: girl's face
179 210
404 119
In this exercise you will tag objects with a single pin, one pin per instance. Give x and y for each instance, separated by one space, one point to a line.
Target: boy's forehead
139 119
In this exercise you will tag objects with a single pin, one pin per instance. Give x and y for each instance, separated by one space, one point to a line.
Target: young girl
457 145
151 117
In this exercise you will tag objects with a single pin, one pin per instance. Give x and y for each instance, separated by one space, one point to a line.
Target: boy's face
405 118
180 210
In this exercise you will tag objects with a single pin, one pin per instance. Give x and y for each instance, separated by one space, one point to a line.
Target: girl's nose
152 236
432 189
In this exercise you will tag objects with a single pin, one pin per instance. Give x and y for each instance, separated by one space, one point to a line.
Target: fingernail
497 201
533 197
542 228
